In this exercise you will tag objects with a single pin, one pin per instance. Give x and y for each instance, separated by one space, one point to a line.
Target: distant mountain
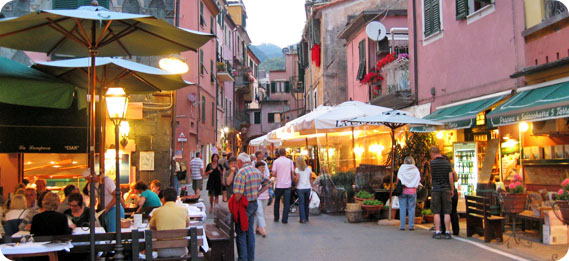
276 63
268 51
260 54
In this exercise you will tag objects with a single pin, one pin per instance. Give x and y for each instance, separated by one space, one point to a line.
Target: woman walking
214 170
262 200
303 186
410 177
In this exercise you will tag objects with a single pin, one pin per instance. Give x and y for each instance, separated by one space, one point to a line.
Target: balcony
223 72
242 80
240 120
397 92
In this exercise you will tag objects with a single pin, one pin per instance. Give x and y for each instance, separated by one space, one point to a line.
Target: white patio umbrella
393 119
264 141
339 116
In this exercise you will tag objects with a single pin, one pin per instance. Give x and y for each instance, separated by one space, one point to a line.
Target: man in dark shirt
442 191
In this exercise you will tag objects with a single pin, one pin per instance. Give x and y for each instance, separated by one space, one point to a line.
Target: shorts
197 184
441 199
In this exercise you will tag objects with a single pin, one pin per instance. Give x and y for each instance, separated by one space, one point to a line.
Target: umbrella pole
353 149
92 77
392 170
327 154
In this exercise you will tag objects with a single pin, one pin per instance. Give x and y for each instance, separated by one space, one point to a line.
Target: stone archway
157 8
16 8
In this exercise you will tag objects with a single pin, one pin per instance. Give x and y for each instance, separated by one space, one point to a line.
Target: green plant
364 195
385 207
344 180
372 202
426 212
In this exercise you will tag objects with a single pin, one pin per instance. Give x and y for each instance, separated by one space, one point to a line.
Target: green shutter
436 15
461 9
257 116
427 17
212 75
212 114
212 24
271 117
201 62
273 87
203 109
65 4
287 86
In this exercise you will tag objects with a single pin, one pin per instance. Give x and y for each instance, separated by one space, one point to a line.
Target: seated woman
49 222
148 199
77 212
131 198
64 206
15 215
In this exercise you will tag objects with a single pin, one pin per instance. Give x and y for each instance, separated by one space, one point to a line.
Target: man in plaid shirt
248 182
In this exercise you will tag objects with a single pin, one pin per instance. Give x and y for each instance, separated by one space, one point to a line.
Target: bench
221 236
527 216
177 238
479 219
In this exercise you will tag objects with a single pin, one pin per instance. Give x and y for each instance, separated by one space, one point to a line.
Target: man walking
442 191
197 169
247 183
283 171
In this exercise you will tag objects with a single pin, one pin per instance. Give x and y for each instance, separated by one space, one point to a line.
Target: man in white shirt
283 171
197 173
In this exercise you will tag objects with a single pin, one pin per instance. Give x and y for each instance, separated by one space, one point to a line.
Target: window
201 62
432 17
315 98
217 96
271 117
287 87
257 116
230 109
212 114
221 96
226 112
203 109
202 19
273 87
211 74
467 7
212 24
362 59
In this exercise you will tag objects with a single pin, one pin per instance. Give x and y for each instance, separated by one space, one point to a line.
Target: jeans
261 205
407 204
278 193
303 200
245 240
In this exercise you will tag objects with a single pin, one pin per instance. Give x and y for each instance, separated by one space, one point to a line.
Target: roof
212 6
362 19
252 54
244 34
330 4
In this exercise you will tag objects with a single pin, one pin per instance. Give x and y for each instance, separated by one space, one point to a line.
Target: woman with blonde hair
303 187
15 215
50 222
410 177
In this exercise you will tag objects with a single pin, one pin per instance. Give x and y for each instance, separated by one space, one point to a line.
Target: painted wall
8 173
468 60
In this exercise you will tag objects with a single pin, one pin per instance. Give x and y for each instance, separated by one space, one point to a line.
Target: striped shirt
196 165
248 181
440 169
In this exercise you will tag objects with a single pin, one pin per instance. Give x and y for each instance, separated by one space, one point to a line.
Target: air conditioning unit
551 127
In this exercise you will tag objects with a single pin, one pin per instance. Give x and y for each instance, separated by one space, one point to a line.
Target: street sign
182 137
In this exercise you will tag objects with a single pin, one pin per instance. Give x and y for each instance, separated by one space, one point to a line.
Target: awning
461 115
533 104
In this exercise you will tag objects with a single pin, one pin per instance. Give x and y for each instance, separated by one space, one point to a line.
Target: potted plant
428 215
562 202
361 196
372 205
515 199
385 212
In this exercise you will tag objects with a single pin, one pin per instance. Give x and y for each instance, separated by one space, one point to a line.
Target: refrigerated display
466 167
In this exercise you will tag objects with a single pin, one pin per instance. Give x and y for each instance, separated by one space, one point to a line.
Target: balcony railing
224 72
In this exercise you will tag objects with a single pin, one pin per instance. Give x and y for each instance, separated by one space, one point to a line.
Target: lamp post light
117 102
173 64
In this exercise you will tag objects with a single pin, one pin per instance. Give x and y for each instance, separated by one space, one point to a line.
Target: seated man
170 216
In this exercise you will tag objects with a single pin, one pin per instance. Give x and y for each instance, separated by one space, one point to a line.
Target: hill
276 63
268 50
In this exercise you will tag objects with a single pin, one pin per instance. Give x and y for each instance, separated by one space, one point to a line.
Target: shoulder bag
398 188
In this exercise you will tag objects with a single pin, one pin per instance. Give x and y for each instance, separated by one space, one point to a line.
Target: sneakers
448 236
437 235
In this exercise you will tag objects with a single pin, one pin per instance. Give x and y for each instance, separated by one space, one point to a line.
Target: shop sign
536 115
30 139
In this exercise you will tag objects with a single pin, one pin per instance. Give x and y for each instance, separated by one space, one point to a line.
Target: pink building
362 53
282 101
464 55
196 105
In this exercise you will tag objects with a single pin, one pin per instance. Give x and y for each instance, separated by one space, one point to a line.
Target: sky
279 22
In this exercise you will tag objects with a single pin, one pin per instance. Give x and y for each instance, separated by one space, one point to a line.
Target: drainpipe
199 86
415 56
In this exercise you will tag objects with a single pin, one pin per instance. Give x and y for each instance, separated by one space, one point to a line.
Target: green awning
460 116
22 85
537 104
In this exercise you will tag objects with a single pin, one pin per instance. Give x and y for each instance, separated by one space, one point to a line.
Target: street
331 237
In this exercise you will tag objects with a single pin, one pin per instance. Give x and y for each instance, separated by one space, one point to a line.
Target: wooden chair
479 219
163 239
221 236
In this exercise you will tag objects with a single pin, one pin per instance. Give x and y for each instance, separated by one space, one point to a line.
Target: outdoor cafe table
34 249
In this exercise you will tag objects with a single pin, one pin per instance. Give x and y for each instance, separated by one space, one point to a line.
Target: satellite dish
192 97
376 31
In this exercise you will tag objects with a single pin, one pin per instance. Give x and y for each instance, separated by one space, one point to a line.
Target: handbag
398 189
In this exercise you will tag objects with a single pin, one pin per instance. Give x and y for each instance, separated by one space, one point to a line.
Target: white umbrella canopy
264 141
339 116
394 117
299 122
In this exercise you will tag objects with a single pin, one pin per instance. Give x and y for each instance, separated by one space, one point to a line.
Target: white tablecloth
34 248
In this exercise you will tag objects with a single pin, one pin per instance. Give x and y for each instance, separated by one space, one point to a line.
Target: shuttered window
212 75
202 19
273 87
432 16
257 116
212 24
74 4
212 114
271 117
362 58
461 9
287 87
203 109
201 62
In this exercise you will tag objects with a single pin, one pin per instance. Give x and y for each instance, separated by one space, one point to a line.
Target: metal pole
392 170
353 148
91 146
327 153
118 247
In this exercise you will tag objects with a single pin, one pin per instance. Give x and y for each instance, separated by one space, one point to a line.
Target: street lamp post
117 102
